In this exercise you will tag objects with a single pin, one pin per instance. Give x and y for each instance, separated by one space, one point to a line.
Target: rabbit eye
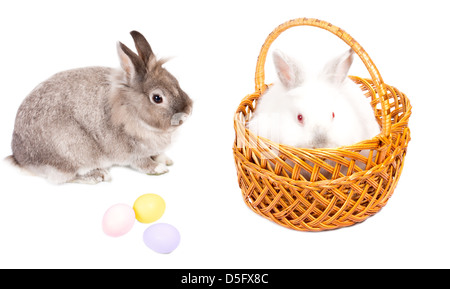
300 118
157 98
333 114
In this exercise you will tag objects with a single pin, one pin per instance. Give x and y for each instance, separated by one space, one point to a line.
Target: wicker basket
271 175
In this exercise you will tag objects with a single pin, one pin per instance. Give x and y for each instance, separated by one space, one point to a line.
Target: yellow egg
149 208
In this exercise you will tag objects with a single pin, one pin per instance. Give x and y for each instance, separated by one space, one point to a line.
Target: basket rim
320 183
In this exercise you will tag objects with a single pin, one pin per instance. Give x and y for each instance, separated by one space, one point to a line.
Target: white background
215 46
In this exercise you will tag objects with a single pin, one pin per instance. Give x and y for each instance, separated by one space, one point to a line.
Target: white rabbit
314 111
78 123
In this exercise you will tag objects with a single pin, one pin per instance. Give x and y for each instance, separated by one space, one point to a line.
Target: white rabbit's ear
336 70
288 70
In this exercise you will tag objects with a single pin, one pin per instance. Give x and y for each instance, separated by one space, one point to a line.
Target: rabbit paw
163 159
159 170
93 177
150 166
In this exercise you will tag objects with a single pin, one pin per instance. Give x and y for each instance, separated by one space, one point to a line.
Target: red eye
333 114
300 118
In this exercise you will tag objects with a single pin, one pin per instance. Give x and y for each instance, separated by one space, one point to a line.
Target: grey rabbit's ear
336 70
143 48
131 63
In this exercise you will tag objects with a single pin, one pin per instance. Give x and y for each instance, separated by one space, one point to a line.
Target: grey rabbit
77 124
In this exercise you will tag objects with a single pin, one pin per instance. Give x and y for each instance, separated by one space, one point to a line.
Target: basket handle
374 73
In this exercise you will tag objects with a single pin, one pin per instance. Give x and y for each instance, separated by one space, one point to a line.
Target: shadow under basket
322 189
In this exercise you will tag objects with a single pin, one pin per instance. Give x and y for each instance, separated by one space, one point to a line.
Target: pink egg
118 220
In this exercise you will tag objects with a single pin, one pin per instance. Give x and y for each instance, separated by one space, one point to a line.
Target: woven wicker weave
271 175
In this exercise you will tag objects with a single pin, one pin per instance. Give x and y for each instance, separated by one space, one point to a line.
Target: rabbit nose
320 140
178 119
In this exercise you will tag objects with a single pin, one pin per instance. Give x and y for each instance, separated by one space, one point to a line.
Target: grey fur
80 122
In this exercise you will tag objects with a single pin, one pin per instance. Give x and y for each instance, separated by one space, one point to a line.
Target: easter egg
149 208
118 220
162 238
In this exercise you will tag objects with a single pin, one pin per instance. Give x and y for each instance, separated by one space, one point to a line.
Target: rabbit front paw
163 159
159 170
150 166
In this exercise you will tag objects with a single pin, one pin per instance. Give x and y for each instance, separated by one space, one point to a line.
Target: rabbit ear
336 70
131 63
143 48
288 70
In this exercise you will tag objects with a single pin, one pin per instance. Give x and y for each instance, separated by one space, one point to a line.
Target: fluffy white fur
317 98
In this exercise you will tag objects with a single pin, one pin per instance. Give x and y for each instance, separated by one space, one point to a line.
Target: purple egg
162 238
